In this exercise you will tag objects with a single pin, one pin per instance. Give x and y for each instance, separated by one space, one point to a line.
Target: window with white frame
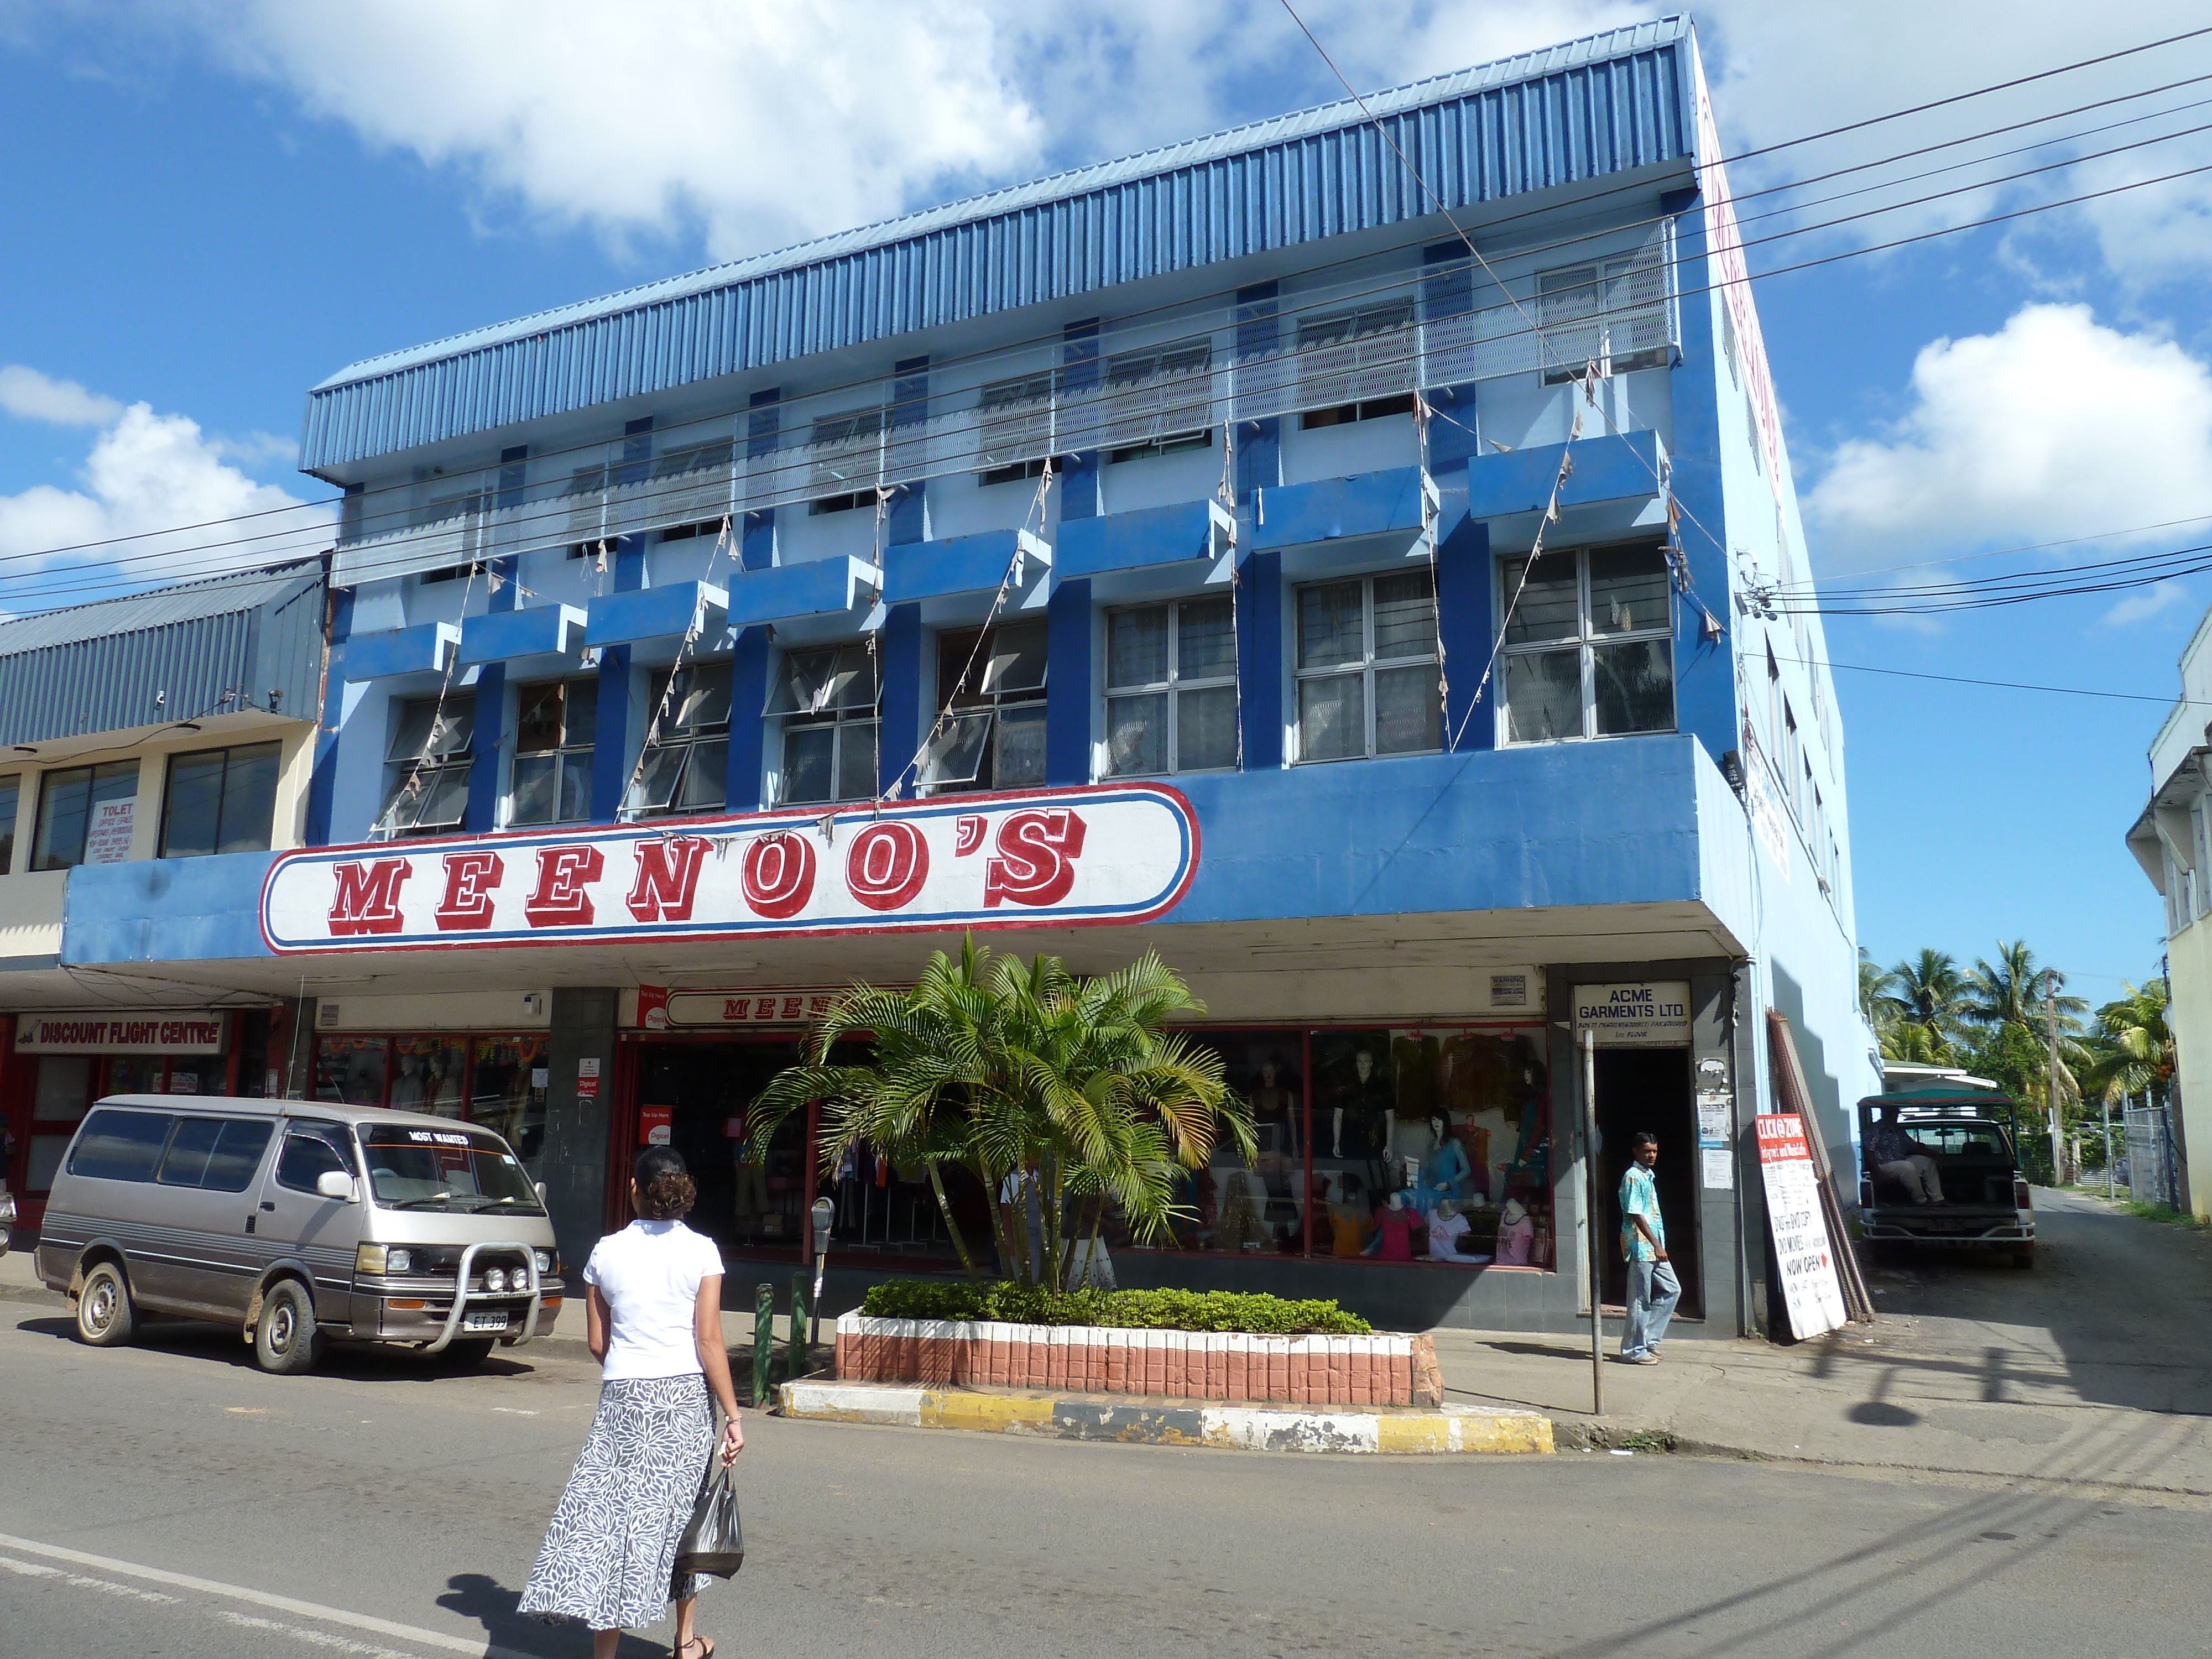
825 702
427 767
1158 402
1589 649
555 726
993 734
686 764
1356 365
1610 312
1367 672
1171 687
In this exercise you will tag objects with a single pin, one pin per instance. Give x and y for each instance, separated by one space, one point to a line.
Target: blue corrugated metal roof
97 667
1607 103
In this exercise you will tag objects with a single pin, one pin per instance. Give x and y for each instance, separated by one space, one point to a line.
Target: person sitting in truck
1896 1155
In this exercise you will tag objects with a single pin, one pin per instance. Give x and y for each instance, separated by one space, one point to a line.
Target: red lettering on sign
886 865
969 833
563 874
368 898
467 902
779 876
1036 865
667 879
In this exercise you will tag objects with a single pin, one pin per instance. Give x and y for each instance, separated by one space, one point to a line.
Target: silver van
298 1221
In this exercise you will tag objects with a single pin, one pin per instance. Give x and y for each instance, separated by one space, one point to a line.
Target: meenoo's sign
1059 858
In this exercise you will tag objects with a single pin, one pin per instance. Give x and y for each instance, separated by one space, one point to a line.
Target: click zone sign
1103 854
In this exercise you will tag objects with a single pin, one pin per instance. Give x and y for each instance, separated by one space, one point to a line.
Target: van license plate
484 1322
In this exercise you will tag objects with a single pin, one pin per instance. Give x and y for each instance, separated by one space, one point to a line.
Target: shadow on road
354 1362
479 1597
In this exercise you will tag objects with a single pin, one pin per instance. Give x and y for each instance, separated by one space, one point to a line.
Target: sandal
706 1648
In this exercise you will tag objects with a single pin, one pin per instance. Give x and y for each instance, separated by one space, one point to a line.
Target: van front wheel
286 1340
104 1314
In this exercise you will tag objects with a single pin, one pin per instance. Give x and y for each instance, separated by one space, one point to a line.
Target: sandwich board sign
1811 1289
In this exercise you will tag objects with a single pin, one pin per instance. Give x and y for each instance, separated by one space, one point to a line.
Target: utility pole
2050 1023
1589 1034
2108 1149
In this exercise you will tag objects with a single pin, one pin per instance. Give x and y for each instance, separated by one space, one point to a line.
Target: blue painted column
1449 294
763 432
322 782
1260 659
1081 482
488 740
611 745
902 712
1259 443
909 518
1704 676
1463 605
1067 685
748 693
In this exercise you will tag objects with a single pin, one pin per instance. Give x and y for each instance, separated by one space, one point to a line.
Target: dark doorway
1640 1088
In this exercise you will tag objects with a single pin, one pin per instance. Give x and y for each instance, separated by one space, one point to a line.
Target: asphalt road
400 1509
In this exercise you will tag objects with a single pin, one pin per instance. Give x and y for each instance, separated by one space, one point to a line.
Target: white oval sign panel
1103 854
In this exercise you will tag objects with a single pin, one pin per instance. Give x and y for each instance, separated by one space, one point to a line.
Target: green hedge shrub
1165 1310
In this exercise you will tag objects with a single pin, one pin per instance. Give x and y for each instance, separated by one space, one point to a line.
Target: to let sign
1106 854
1810 1288
1657 1012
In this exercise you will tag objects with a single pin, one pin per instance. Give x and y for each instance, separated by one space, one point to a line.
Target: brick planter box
1383 1370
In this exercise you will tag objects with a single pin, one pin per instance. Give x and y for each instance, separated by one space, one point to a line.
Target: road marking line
33 1569
321 1638
478 1648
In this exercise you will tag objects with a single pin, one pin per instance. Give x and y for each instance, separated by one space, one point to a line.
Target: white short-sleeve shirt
650 1273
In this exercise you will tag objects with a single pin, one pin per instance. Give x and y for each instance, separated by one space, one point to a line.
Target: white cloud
2142 607
756 124
2054 425
144 476
30 395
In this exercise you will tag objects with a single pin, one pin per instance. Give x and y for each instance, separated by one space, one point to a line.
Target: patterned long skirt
611 1549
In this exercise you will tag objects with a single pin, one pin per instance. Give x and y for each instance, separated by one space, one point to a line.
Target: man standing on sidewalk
1653 1290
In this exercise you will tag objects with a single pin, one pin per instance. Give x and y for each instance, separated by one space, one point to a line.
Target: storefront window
350 1070
199 1074
427 1075
506 1094
134 1075
1346 1120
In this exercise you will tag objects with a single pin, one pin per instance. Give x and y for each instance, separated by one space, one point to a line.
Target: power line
315 536
2005 685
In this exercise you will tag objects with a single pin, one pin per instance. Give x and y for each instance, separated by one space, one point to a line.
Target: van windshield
456 1168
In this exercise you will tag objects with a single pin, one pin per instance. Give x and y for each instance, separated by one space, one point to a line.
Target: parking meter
825 1213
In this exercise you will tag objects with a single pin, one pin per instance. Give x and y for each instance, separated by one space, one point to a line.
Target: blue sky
211 207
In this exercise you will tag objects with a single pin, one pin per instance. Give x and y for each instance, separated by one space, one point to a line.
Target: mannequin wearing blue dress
1445 1172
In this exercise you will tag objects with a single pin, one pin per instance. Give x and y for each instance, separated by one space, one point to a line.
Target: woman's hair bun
664 1187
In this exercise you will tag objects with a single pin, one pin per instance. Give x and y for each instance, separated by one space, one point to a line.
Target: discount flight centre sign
1098 855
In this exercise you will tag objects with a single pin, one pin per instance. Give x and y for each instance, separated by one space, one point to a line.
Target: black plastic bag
714 1541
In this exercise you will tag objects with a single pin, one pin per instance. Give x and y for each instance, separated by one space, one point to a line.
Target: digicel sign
1106 854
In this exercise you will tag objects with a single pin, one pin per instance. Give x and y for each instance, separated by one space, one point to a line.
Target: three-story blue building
1312 551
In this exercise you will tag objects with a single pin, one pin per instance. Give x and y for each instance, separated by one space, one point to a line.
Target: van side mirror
337 1183
541 1190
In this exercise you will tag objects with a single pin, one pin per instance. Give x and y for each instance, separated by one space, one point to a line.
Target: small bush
1165 1310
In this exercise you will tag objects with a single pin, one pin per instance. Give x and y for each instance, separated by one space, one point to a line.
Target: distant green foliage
1133 1310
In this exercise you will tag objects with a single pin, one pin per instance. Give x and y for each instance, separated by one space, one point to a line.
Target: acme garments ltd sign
1101 854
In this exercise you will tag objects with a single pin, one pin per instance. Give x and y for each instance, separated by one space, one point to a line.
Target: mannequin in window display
1395 1224
1447 1228
1364 1107
748 1178
407 1092
1349 1223
1445 1171
1240 1202
1517 1235
1275 1108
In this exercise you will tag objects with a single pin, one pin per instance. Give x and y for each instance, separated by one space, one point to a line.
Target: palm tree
2135 1047
1929 992
2007 999
2011 990
1876 983
1072 1084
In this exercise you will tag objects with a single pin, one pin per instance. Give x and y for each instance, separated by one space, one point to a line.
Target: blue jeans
1653 1291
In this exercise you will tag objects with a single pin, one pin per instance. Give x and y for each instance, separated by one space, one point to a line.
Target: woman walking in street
656 1327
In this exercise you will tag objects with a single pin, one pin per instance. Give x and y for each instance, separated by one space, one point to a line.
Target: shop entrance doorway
1649 1089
